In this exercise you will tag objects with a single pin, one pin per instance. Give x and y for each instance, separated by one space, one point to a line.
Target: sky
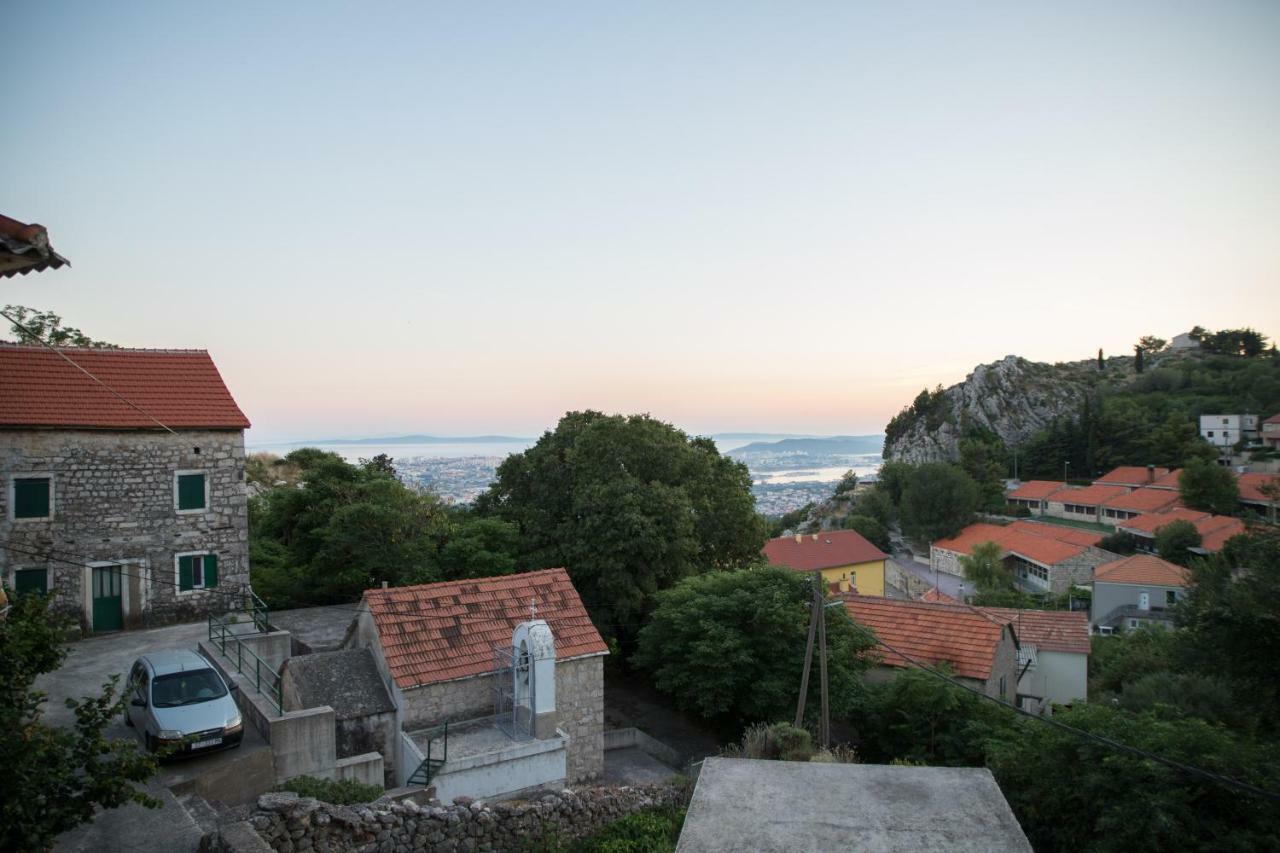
472 217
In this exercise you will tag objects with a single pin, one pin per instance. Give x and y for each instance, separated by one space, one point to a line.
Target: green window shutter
31 497
184 572
31 580
210 570
191 491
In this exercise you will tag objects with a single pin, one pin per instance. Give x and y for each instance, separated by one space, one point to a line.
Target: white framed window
194 571
190 491
31 496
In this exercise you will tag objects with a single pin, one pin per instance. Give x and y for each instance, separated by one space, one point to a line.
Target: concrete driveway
948 583
132 828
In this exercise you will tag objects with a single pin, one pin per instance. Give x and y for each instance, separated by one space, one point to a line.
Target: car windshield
186 688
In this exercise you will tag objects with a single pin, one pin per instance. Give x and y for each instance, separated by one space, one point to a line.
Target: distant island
836 444
428 439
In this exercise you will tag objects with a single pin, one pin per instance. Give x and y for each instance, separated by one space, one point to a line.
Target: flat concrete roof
768 806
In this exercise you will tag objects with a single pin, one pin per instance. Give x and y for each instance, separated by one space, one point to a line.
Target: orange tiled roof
25 248
441 631
1050 630
1035 490
181 388
930 633
821 550
1072 535
1033 546
1215 530
1168 481
1251 485
1150 523
1094 495
937 595
1274 419
1143 500
1142 569
1131 475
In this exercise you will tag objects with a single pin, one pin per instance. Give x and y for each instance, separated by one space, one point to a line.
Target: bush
649 831
1120 543
870 529
347 792
776 742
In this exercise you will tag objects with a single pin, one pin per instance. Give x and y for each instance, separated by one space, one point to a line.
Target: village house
496 683
1136 503
1083 503
1224 431
127 513
846 559
1041 557
1034 495
1214 530
1133 476
1253 491
1053 655
981 651
1135 591
1270 433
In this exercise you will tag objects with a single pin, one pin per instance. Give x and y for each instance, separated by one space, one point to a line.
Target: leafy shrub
649 831
341 793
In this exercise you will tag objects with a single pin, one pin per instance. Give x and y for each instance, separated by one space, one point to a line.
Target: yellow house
844 558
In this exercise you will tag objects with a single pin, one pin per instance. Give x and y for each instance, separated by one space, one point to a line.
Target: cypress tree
1137 359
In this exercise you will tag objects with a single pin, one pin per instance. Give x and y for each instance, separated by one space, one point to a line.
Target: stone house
1053 655
1135 591
1083 503
128 513
982 651
512 664
844 557
1214 530
1041 557
1033 495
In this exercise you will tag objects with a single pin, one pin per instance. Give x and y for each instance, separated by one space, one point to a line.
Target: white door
1144 601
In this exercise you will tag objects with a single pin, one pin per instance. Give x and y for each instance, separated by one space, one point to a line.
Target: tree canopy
1206 486
984 568
938 500
35 325
629 506
730 646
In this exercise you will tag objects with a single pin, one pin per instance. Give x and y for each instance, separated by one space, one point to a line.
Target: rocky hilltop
1013 397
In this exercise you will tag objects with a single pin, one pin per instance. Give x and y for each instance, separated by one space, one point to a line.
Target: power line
18 325
1050 721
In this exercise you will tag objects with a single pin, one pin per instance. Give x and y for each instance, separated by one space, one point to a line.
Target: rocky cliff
1012 397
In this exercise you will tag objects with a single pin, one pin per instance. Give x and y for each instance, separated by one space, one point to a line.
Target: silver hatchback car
176 699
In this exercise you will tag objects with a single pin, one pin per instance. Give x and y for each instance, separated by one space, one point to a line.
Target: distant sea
863 466
367 450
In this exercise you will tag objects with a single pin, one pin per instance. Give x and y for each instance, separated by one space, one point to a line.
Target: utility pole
808 659
820 604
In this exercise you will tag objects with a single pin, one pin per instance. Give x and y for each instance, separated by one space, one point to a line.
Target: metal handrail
219 633
426 771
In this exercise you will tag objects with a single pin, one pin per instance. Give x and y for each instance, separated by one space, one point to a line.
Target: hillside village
464 671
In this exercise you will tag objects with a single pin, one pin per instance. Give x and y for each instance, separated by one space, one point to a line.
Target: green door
108 610
31 580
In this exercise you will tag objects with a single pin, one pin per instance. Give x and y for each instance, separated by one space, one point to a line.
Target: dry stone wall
288 823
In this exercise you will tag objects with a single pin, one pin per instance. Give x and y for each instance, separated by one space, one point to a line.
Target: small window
1003 687
1133 623
33 497
1170 597
191 492
197 571
1210 433
31 580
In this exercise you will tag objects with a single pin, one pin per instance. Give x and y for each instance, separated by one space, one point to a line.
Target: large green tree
984 568
629 505
55 778
938 500
1206 486
1175 540
31 325
730 646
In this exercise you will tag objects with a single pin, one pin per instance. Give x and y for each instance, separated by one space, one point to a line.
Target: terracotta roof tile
1251 485
181 388
1143 500
1168 481
1214 530
1034 490
25 248
1094 495
930 633
1131 475
1062 533
1051 630
1150 523
442 631
1142 569
938 596
1046 547
821 550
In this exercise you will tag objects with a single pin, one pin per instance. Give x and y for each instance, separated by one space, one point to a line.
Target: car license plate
201 744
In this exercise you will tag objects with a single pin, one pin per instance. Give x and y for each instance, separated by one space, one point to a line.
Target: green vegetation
789 520
1209 487
653 830
630 506
785 742
1175 541
1120 543
347 792
984 568
729 646
56 778
47 326
931 406
937 501
870 529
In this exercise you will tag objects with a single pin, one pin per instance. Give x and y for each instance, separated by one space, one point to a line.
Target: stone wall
113 500
289 823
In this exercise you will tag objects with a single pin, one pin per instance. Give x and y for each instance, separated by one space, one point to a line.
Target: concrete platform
485 763
634 766
315 629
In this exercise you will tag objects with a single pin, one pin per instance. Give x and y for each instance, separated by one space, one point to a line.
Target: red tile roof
1143 500
1251 485
1015 539
937 595
1047 630
1072 535
1035 490
25 248
1168 481
930 633
1142 569
1274 419
441 631
180 388
1151 523
1094 495
1215 530
821 550
1131 475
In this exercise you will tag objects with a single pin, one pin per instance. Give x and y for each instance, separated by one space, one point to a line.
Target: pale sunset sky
472 217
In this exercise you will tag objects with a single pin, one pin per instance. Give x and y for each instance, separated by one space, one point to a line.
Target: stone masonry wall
291 824
113 500
579 710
